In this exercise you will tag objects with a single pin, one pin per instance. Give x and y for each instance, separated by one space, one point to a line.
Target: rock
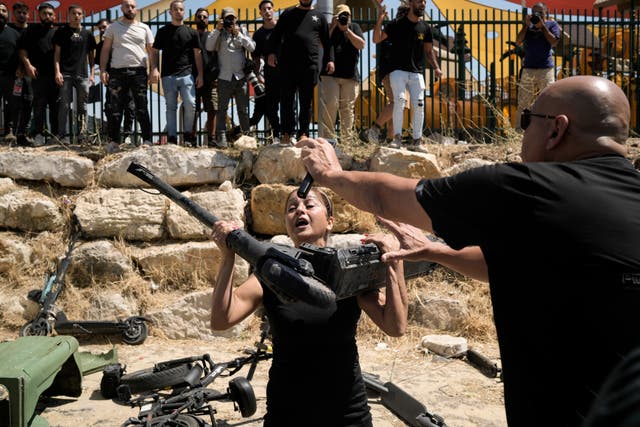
228 205
244 170
175 165
466 165
190 318
13 252
28 210
98 261
130 214
246 142
12 308
437 313
277 164
445 345
111 307
64 168
408 164
177 264
268 204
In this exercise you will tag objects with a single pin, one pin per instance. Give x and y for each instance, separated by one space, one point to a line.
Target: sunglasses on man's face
525 118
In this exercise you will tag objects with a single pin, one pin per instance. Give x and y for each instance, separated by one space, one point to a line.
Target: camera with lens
228 21
535 17
343 18
250 75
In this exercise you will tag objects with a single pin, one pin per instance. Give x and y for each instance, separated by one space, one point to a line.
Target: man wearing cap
232 44
338 90
181 60
294 47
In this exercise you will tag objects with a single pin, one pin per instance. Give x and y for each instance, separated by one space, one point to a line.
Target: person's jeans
6 93
302 81
121 81
187 88
336 94
236 89
401 80
81 84
45 93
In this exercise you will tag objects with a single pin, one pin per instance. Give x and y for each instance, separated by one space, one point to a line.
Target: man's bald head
591 117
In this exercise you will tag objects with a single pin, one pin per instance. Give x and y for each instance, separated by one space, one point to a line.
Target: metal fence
477 96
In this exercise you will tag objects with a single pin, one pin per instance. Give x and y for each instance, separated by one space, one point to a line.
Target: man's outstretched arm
382 194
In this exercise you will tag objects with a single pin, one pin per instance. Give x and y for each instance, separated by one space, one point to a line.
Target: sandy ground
450 388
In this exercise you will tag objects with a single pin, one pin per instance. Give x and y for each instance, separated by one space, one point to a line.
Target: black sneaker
172 140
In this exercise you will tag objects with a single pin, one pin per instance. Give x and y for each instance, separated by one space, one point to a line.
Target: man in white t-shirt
128 42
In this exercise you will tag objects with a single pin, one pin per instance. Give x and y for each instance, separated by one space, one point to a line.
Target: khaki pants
337 95
532 81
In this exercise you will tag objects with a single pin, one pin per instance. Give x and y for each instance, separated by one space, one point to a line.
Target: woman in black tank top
315 377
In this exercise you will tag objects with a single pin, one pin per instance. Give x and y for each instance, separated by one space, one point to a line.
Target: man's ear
560 126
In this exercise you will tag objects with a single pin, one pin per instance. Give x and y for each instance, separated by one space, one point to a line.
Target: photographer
538 36
231 42
339 89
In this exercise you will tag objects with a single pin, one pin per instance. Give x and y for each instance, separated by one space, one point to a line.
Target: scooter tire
149 379
42 329
136 333
182 420
241 392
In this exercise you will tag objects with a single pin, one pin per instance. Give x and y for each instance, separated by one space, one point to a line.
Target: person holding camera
232 43
338 90
538 36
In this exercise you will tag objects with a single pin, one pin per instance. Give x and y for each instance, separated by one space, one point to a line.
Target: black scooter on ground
133 329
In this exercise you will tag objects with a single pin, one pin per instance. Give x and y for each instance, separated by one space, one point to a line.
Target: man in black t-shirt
36 54
337 91
556 237
412 49
22 97
181 70
294 48
207 95
8 64
73 61
268 104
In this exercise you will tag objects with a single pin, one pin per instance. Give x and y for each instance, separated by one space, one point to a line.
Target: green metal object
38 366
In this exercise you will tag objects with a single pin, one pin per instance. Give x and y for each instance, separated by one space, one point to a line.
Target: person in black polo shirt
412 49
8 64
337 91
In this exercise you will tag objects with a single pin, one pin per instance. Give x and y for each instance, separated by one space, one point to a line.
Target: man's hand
331 67
319 158
155 76
199 81
104 78
221 230
272 60
59 79
414 246
31 71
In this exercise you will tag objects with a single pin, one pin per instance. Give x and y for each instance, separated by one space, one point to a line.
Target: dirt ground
450 388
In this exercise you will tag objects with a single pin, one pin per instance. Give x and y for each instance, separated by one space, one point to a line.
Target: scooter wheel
241 392
182 420
41 328
136 333
147 380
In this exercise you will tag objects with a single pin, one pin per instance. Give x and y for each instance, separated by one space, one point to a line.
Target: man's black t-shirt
315 377
408 39
345 55
75 44
207 59
561 244
299 37
37 41
261 37
177 44
8 51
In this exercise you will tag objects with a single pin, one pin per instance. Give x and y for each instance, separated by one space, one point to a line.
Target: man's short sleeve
109 32
149 34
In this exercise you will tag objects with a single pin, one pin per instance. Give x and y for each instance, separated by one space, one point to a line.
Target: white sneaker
112 147
276 141
397 142
293 140
39 140
127 140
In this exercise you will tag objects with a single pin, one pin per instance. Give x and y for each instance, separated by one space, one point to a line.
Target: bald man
556 237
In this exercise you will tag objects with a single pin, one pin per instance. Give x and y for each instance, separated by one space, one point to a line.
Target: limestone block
130 214
175 165
112 306
466 165
28 210
408 164
64 168
178 264
98 261
268 205
277 164
437 313
445 345
228 205
13 252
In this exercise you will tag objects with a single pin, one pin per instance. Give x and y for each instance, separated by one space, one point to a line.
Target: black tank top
315 377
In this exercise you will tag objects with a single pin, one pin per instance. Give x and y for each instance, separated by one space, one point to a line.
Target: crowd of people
43 63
